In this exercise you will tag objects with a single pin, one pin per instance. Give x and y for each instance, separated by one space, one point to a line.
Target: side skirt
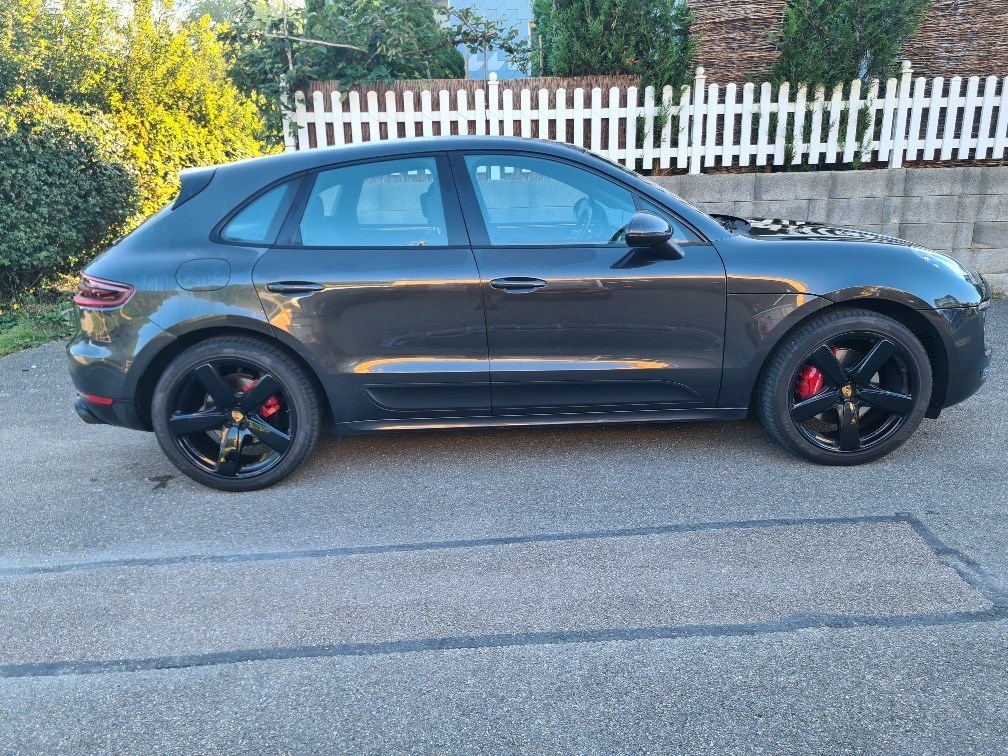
565 418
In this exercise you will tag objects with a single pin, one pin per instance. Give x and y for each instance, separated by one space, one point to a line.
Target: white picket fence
906 119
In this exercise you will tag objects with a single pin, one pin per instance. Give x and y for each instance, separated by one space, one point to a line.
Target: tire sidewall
296 388
797 353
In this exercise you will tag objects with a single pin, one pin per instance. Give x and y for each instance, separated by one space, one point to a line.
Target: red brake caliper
810 382
268 408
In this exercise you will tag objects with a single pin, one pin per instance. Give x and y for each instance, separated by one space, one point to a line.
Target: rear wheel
234 413
847 387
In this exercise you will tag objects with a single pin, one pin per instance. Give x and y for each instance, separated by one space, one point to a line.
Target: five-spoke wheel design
232 419
852 392
235 413
845 387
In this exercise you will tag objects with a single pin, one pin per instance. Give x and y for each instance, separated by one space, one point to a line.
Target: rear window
259 221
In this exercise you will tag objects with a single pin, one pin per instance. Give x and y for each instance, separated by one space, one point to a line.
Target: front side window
537 201
391 203
259 221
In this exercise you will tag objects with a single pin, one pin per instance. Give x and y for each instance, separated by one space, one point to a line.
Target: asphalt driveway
688 588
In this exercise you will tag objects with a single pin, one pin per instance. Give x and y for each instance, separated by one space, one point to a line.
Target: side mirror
652 232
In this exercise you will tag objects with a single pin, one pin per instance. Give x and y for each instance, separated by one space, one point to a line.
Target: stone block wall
962 212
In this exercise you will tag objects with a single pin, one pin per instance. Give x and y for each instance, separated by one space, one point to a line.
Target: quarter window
537 201
259 221
391 203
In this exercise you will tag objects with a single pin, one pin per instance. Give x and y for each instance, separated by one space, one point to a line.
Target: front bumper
969 354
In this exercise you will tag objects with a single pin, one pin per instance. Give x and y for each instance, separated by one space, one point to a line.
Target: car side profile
493 281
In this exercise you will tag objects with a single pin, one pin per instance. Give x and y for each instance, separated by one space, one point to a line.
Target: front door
576 320
373 274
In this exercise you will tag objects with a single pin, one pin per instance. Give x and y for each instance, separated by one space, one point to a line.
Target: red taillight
104 401
97 293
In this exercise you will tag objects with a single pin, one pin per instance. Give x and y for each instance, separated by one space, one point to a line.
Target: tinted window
528 200
392 203
259 221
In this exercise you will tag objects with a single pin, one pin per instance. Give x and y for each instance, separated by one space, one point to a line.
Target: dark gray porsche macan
486 281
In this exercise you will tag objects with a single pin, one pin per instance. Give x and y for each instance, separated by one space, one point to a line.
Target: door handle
294 287
518 284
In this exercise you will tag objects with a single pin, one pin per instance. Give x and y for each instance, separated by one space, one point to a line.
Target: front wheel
847 387
235 413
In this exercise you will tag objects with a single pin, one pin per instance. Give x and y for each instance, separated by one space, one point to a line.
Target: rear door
576 320
373 274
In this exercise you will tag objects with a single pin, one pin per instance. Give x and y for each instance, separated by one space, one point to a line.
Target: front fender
754 325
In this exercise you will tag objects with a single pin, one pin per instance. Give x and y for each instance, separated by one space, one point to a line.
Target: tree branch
271 35
450 43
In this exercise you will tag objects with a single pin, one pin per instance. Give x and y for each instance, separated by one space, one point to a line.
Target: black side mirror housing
650 231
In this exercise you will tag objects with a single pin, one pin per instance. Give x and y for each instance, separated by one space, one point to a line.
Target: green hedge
66 190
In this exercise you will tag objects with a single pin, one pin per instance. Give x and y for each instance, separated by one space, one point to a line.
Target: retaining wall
960 211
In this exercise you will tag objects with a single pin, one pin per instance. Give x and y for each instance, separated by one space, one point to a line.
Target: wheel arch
914 320
156 365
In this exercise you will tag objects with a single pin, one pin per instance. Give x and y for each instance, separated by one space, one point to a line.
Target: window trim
296 179
455 228
474 215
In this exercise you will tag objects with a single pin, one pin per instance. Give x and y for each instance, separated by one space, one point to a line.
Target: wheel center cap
847 391
237 416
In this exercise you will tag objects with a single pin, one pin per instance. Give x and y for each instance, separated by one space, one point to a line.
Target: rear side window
388 203
259 221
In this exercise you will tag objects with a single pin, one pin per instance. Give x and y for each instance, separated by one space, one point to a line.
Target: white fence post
902 110
301 114
697 114
780 138
969 116
1001 131
493 106
630 155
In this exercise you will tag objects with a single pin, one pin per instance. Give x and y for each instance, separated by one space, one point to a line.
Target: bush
163 83
171 96
830 42
649 39
66 190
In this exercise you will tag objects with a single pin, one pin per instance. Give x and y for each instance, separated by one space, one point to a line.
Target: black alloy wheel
232 419
866 392
847 387
235 418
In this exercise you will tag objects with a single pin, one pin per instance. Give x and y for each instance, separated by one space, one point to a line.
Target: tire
269 428
869 403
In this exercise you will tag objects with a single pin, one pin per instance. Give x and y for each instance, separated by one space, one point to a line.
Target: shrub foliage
829 42
645 38
102 104
66 188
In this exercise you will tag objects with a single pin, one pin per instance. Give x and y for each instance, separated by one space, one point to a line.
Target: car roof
307 159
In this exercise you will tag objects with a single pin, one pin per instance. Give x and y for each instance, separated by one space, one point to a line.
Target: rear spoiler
194 181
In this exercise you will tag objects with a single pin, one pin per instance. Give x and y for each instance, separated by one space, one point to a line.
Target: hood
783 230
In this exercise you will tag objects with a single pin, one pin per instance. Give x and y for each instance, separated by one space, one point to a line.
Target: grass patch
27 324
